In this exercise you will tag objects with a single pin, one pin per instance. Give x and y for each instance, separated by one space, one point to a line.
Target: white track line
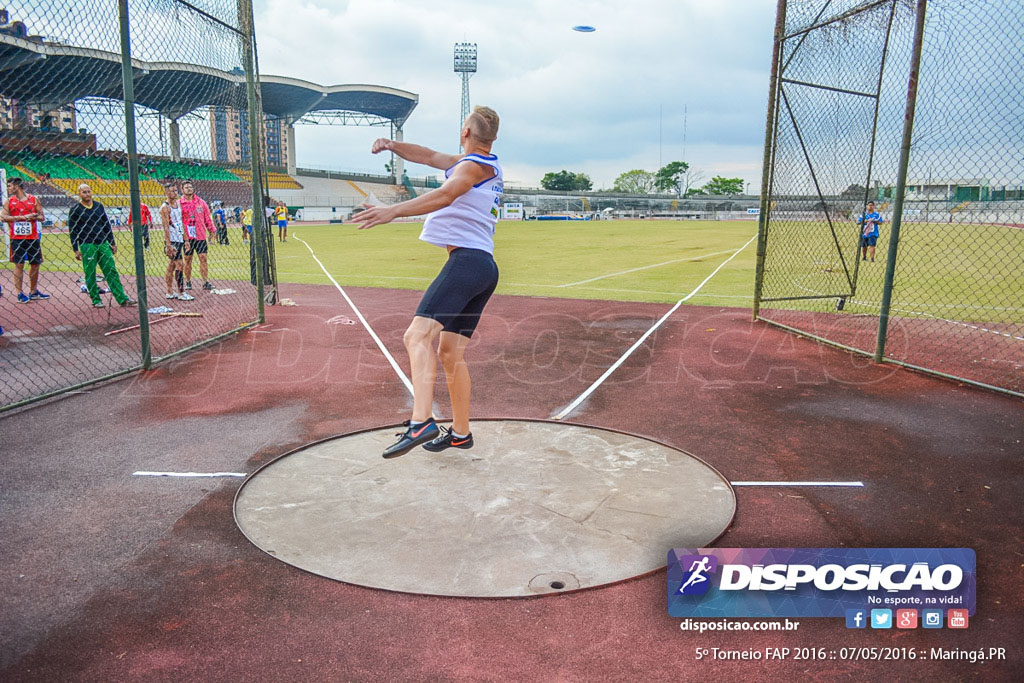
380 344
607 373
189 474
655 265
854 484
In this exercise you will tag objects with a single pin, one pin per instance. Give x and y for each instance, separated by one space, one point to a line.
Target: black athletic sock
180 279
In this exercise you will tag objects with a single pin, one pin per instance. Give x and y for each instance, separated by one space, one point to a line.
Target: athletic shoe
186 297
38 295
170 295
188 285
99 304
412 437
449 440
129 302
207 286
22 299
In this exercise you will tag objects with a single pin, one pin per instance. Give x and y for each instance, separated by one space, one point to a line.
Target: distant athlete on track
282 221
869 223
23 215
463 213
174 244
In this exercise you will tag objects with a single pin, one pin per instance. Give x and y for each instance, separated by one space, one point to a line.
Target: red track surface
112 577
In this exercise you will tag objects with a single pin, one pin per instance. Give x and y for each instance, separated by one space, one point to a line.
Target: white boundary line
655 265
188 474
607 373
853 484
380 344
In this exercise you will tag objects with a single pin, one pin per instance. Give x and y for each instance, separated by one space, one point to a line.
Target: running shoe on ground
186 297
170 295
207 286
38 295
22 299
412 437
129 302
98 304
449 440
188 285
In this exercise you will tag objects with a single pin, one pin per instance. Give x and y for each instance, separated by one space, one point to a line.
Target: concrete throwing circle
534 507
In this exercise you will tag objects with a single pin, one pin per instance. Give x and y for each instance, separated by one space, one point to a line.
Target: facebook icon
856 618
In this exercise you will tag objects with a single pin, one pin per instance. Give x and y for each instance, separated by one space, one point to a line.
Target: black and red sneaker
447 439
413 436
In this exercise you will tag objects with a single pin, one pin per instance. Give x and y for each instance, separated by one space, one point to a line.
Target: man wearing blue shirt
869 223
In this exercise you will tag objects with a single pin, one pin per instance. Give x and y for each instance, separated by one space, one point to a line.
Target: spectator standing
869 223
147 221
24 214
246 225
174 244
195 214
282 221
94 245
220 219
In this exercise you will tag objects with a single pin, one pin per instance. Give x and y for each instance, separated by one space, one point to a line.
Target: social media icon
957 618
931 618
906 618
856 618
881 618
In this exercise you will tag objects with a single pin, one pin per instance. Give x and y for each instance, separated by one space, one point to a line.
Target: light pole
465 66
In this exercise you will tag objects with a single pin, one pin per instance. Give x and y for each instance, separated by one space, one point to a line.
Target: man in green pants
93 242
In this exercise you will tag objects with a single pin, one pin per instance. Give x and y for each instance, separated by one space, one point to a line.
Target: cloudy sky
600 103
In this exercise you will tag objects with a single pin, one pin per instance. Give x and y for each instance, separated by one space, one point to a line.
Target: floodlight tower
465 66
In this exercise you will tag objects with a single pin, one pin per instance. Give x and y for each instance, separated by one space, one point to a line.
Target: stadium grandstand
56 80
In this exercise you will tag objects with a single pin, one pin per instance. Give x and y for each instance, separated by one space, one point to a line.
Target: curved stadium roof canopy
50 74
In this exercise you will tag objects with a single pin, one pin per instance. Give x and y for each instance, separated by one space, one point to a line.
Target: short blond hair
483 124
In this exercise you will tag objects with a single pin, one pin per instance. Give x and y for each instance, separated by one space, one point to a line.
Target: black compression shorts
196 247
458 294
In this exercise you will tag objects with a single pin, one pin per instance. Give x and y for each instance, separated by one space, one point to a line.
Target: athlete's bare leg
420 339
451 351
19 276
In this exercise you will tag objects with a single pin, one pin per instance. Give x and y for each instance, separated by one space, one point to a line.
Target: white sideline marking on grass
607 373
189 474
654 265
853 484
380 344
877 304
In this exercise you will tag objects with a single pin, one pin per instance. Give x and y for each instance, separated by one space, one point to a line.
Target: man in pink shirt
196 218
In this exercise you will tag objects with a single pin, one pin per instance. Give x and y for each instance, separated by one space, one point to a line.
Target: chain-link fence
918 107
93 287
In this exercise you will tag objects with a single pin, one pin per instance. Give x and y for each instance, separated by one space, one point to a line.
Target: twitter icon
881 618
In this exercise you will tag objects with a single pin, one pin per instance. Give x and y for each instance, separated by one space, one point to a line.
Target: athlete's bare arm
39 211
461 180
417 154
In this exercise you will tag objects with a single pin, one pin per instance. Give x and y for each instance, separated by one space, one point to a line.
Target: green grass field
572 259
969 273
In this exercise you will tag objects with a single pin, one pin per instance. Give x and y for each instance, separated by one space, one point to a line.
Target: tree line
674 176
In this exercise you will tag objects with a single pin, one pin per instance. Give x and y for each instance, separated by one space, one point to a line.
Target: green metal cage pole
128 78
769 136
901 181
258 219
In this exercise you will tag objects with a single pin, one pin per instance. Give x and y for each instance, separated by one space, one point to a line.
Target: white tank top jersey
468 221
176 231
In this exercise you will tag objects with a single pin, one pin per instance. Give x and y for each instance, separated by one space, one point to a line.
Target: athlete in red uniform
23 214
